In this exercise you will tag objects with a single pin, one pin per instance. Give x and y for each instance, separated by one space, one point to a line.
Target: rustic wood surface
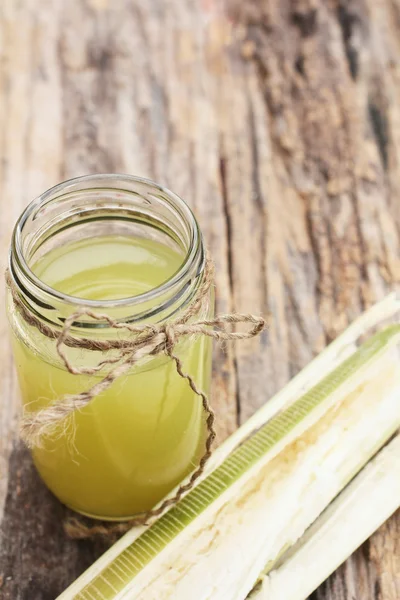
279 122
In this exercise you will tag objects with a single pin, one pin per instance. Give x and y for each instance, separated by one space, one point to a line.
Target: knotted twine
143 342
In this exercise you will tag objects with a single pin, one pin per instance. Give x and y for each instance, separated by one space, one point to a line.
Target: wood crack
380 130
305 20
229 239
349 21
257 197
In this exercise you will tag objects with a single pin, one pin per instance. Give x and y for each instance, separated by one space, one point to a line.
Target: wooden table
279 122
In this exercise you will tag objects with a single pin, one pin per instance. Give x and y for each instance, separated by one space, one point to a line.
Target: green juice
132 444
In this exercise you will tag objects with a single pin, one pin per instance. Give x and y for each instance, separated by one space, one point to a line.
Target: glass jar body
132 444
125 450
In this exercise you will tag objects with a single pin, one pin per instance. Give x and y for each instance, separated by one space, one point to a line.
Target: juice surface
133 443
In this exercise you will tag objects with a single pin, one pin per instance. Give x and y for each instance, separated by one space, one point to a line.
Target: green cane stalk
252 476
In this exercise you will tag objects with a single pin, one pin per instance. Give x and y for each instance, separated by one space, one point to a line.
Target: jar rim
18 262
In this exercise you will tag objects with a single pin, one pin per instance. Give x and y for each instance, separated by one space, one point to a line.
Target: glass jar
128 248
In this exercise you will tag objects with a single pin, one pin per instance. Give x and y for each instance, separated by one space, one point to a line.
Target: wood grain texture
279 122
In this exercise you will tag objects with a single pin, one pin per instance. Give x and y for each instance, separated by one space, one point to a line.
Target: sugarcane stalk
364 505
253 477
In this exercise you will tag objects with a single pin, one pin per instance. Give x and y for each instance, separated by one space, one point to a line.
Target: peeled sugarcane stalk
263 494
363 506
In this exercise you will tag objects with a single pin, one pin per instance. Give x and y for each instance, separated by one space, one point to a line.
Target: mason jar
132 250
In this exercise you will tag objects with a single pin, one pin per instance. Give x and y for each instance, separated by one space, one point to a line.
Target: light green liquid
136 441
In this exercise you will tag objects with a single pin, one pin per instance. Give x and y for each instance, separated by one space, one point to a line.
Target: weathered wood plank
279 122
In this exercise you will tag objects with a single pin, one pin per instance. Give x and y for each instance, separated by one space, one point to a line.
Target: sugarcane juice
134 442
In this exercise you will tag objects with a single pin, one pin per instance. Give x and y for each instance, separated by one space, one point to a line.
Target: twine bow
143 342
